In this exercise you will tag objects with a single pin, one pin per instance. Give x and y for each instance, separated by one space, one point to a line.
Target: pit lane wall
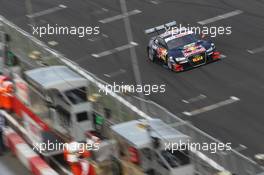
119 108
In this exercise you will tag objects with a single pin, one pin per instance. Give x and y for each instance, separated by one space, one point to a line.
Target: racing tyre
151 57
170 67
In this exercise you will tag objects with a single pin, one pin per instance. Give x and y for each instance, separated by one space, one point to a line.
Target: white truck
144 144
52 104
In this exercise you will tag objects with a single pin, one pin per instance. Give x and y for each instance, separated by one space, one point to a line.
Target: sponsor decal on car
193 50
197 58
162 53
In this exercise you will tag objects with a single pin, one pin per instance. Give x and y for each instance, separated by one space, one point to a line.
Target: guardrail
125 107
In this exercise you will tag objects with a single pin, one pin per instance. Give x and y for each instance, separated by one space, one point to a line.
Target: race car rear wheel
151 57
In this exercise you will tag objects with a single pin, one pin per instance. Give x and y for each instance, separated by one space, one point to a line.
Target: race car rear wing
161 27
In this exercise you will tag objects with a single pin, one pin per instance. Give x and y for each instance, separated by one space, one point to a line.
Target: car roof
55 77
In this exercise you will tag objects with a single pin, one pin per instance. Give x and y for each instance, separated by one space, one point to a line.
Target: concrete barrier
25 154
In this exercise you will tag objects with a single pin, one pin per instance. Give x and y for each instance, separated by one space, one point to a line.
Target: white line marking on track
100 11
48 11
117 17
194 99
133 53
105 9
53 43
220 17
156 2
241 147
231 100
118 49
97 38
116 73
256 50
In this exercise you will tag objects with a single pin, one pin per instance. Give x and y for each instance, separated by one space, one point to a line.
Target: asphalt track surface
240 74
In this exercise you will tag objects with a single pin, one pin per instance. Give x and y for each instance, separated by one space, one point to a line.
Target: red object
37 165
12 140
6 93
92 170
19 107
25 154
216 55
178 67
134 156
76 167
3 78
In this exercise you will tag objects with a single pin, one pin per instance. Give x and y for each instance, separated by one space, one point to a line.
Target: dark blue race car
180 49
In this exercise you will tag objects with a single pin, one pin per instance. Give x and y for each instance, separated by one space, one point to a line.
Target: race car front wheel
169 64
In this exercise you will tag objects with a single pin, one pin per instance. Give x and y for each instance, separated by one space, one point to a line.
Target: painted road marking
48 11
118 49
256 50
220 17
53 43
241 147
97 38
100 11
116 73
133 53
194 99
212 107
117 17
156 2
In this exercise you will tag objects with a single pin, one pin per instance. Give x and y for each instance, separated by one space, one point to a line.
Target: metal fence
125 107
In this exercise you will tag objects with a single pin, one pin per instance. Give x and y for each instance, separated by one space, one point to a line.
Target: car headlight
180 59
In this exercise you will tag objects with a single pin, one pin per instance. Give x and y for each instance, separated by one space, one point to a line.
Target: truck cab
63 103
143 143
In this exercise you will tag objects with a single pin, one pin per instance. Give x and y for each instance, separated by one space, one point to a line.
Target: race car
179 49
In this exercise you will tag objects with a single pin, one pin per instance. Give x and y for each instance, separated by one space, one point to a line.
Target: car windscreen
175 42
176 158
77 96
